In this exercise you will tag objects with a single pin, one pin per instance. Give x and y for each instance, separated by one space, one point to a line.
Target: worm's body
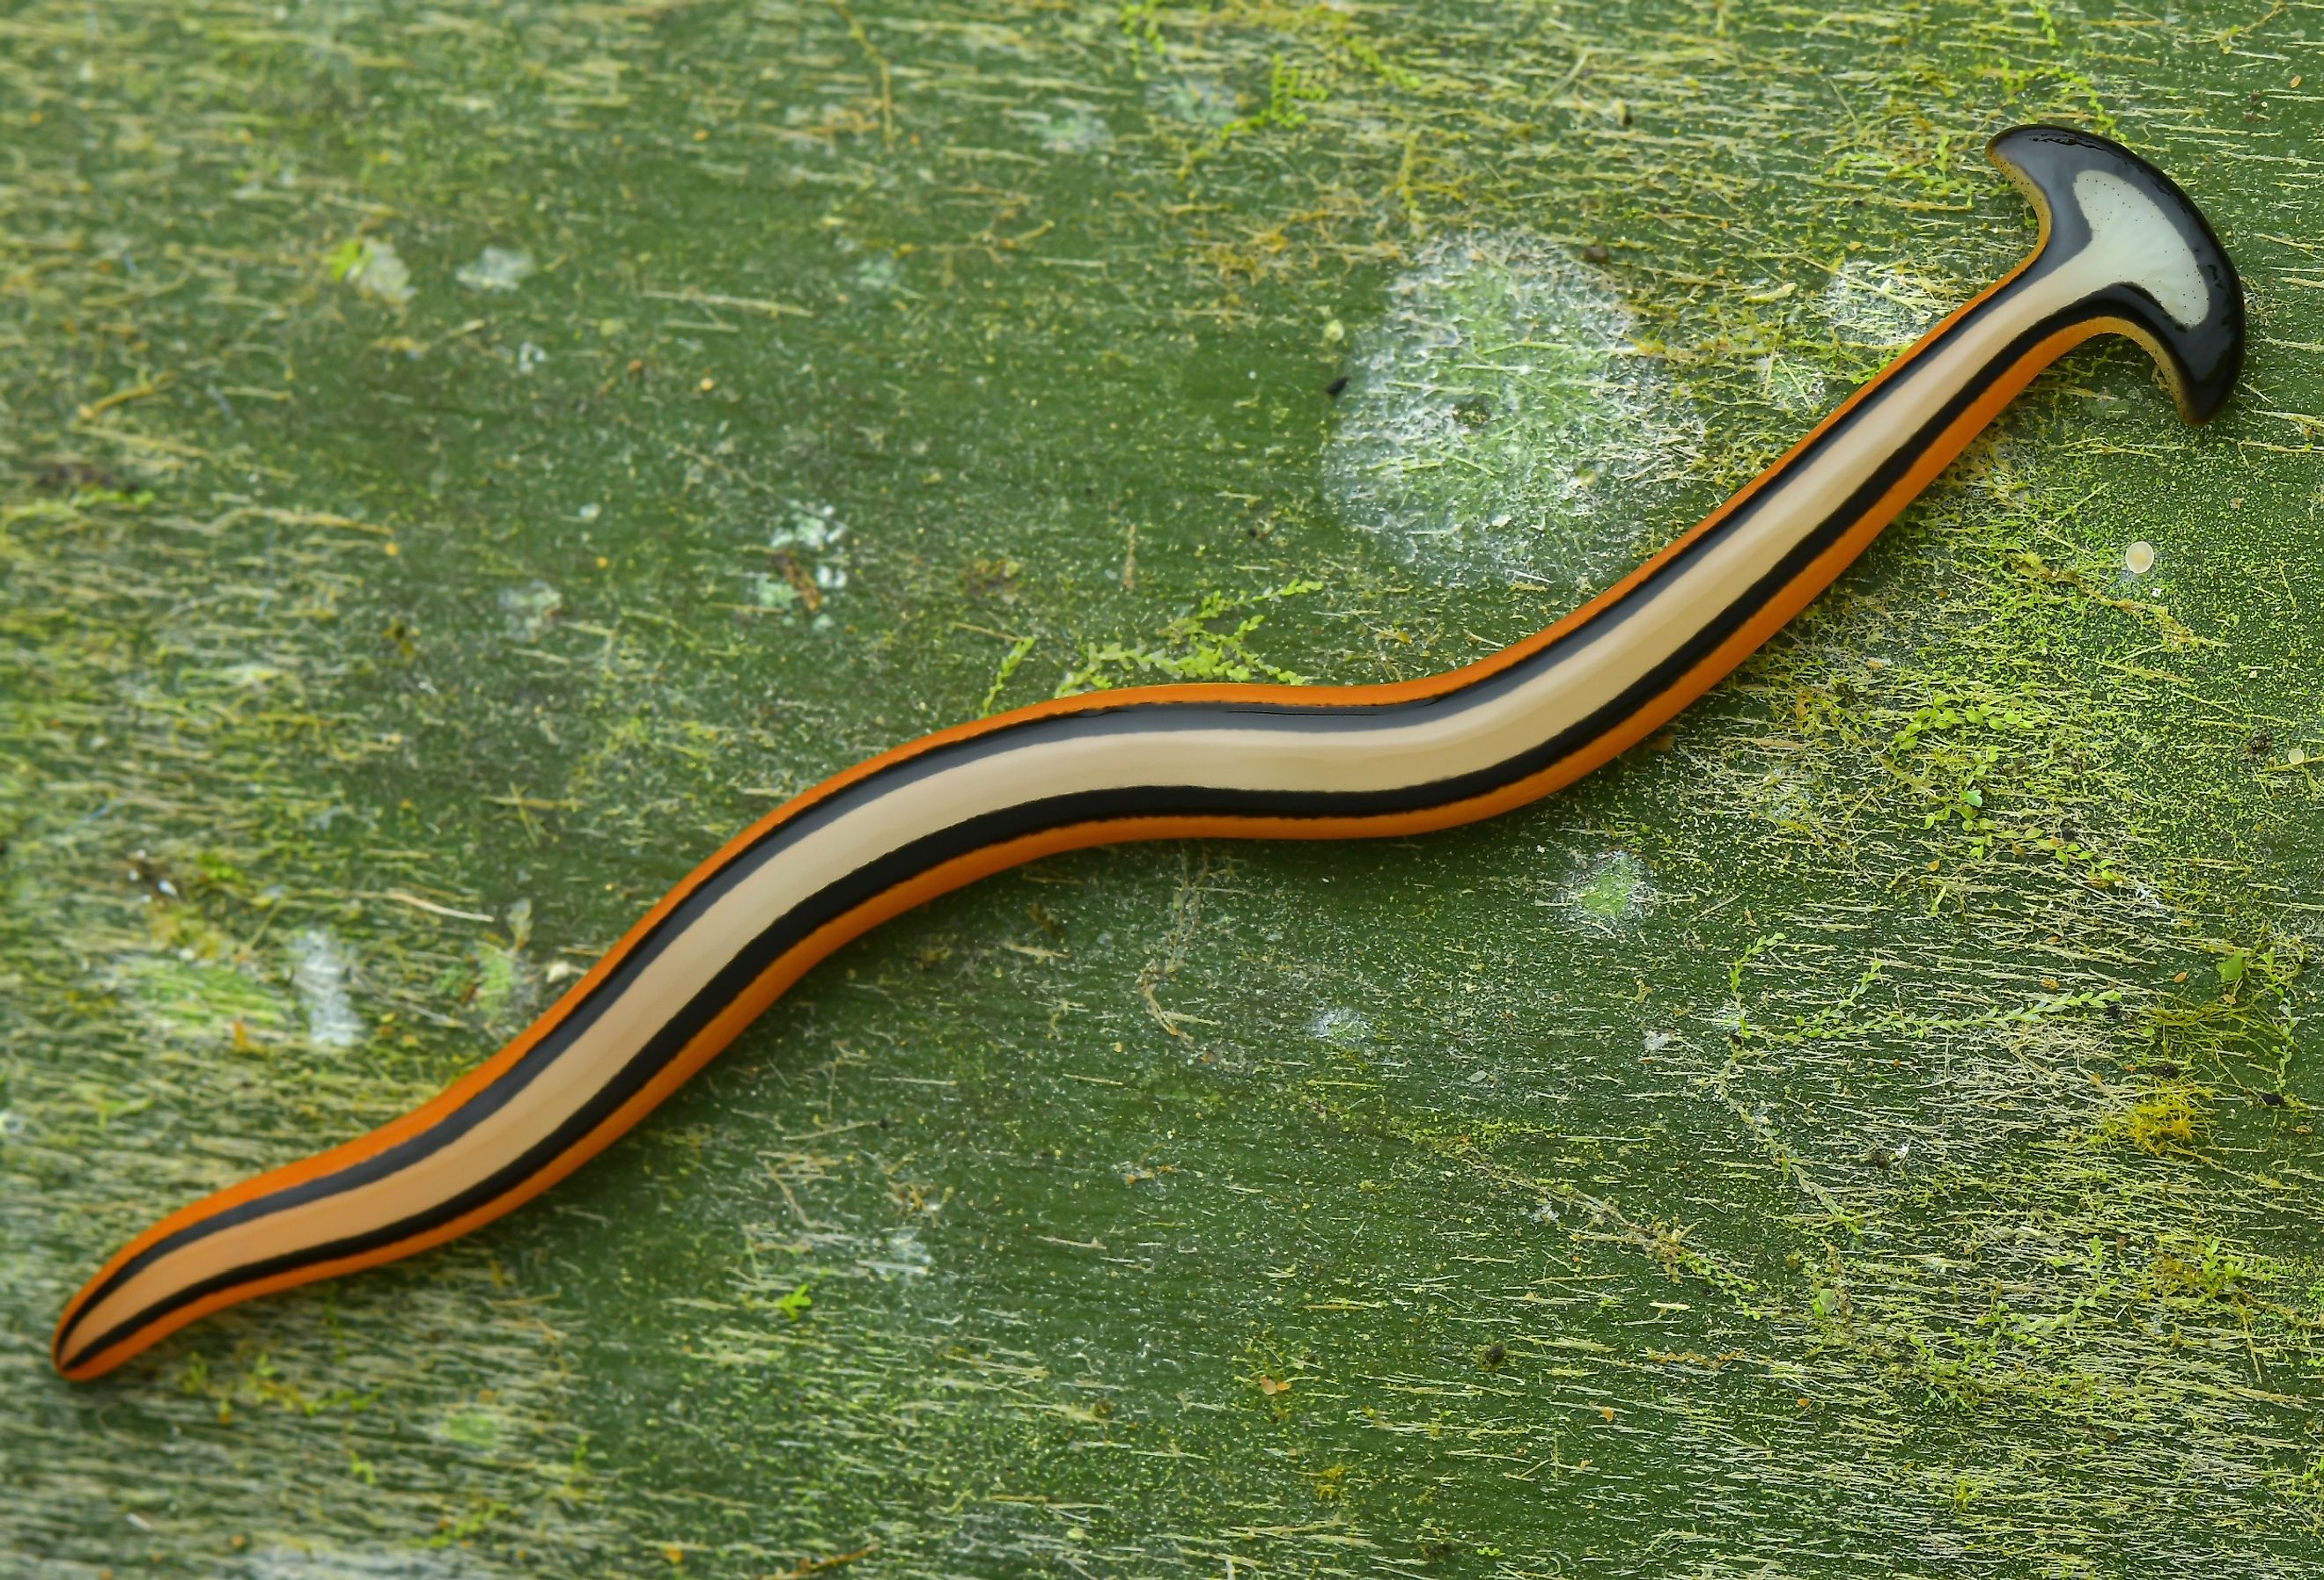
2122 250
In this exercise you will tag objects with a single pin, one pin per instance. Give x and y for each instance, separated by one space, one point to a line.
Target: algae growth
460 466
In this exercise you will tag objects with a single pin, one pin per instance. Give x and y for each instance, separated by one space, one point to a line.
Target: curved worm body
2121 249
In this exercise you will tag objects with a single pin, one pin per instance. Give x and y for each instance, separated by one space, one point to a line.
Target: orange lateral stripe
784 973
953 874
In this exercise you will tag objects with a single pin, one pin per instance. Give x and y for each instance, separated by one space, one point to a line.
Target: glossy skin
2122 250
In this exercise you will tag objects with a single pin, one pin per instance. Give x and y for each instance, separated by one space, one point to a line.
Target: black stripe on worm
2121 249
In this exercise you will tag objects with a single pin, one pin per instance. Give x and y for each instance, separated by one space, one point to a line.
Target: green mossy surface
458 466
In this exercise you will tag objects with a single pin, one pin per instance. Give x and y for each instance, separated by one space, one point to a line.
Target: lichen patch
318 972
1501 422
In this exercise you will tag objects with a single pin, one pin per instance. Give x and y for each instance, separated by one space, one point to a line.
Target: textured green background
1870 1128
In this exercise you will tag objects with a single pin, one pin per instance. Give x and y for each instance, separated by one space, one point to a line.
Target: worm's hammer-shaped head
2130 252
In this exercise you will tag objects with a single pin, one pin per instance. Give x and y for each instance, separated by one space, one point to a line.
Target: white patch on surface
1611 891
1794 384
495 269
1499 421
881 272
251 675
319 971
1071 127
809 541
1345 1027
1788 799
905 1256
378 270
530 607
287 1562
1879 305
1202 99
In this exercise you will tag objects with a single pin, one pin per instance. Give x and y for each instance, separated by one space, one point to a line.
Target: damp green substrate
458 466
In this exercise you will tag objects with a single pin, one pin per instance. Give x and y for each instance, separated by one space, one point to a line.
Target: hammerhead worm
2121 249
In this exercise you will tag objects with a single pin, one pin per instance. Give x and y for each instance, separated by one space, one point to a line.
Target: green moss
1892 1081
2167 1121
1199 645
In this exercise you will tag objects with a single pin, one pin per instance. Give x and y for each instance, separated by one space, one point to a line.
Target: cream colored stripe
1254 756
